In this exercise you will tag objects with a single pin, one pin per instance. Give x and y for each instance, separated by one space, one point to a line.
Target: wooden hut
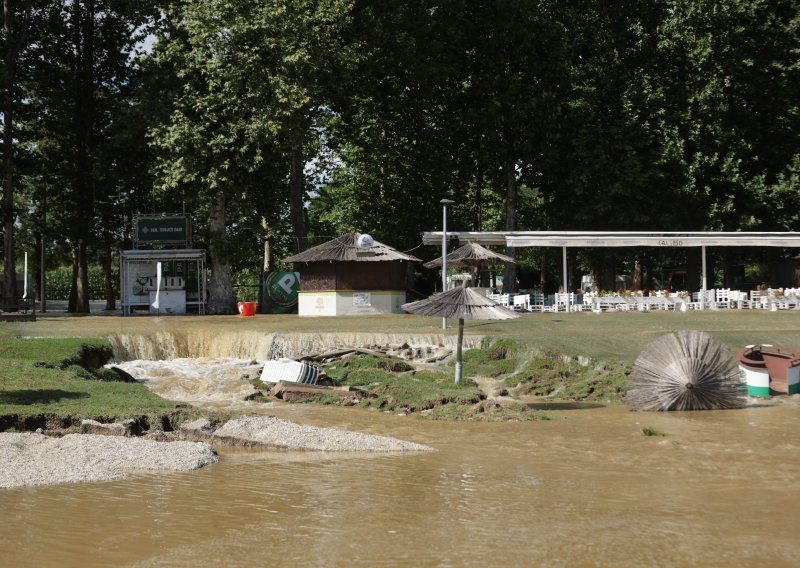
348 276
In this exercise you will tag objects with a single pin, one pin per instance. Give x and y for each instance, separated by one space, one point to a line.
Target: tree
15 33
248 86
80 90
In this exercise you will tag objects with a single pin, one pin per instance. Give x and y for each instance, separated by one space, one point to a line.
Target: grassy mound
59 382
525 372
570 379
403 390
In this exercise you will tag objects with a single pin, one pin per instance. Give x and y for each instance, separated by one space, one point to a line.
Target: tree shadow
38 396
565 405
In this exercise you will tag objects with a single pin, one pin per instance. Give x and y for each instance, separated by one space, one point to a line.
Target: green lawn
582 356
60 378
619 336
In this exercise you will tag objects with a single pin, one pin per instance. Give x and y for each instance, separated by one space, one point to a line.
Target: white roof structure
591 239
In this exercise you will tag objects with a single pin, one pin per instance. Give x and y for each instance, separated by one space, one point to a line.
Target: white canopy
589 239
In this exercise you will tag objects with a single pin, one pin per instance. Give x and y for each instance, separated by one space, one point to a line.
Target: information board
162 230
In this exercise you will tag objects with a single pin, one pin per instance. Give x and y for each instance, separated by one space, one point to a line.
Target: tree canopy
295 121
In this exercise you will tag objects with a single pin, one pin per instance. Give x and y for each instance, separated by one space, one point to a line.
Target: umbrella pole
458 349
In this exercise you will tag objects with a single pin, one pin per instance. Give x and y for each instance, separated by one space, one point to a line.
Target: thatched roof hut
345 249
340 277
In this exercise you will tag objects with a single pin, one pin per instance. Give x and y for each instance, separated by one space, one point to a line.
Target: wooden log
282 388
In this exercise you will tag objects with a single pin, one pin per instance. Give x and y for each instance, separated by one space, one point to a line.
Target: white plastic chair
522 302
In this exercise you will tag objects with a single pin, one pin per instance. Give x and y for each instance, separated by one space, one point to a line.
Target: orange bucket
247 309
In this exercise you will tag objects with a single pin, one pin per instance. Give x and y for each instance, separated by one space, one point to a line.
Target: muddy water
585 488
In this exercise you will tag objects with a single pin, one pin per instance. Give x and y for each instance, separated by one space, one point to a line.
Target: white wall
344 303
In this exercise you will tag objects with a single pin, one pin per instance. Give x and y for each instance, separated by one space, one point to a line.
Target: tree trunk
510 279
296 195
85 144
72 302
267 249
220 287
15 35
82 296
479 181
108 280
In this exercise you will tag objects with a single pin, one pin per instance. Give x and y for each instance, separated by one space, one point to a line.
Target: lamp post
445 203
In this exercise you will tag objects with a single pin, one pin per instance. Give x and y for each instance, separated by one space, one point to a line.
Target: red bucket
247 309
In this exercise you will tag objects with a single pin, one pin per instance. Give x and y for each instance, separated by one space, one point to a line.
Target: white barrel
793 380
756 379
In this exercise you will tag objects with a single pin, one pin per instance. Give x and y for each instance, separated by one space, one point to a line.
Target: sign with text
158 230
281 289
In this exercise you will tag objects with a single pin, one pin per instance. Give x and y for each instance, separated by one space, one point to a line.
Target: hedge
59 282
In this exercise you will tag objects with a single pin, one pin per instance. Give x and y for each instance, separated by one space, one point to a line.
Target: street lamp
445 203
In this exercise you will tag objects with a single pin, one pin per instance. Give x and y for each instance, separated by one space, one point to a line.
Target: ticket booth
163 282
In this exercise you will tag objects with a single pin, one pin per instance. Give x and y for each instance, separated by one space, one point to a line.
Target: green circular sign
282 288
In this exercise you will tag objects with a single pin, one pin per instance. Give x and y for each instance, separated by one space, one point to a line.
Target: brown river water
585 488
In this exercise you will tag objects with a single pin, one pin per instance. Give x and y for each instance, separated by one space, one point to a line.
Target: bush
59 282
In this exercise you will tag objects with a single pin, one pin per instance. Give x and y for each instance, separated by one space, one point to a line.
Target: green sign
281 290
162 230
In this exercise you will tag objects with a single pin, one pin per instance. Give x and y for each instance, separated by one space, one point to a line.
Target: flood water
585 488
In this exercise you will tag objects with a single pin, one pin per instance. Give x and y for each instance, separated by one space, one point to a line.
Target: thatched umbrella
462 303
471 254
688 370
346 248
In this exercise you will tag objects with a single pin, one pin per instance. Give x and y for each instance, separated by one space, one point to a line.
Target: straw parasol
688 370
462 303
471 254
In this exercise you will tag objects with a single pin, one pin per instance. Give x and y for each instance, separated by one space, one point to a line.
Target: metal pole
703 280
43 259
564 277
445 203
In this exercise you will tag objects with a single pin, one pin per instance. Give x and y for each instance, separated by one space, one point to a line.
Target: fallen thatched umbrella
471 254
688 370
462 303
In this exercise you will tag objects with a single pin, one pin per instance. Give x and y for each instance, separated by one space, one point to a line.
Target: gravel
278 433
35 459
30 459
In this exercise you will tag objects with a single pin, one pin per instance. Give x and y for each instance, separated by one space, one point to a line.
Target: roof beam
599 239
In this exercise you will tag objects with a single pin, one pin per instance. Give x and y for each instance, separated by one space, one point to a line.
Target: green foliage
363 115
59 283
650 431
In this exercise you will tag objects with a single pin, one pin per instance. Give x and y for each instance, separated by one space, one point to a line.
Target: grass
60 379
569 378
650 431
515 412
608 336
409 391
577 356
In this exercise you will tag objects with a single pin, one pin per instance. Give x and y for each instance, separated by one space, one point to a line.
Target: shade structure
471 254
688 370
462 303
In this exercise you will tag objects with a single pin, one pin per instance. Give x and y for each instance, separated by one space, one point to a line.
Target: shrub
59 283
